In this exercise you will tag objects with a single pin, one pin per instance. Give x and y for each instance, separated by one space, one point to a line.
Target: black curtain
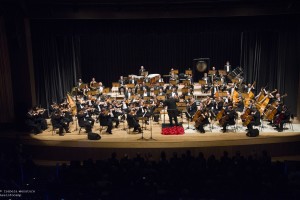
65 50
270 59
56 61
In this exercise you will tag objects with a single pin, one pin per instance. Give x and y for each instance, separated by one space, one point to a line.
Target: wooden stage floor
76 146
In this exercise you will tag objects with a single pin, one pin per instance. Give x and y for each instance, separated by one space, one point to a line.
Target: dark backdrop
64 50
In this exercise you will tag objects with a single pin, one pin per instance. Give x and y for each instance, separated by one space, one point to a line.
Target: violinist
66 113
228 118
58 121
105 119
132 121
115 112
254 116
40 117
83 122
202 120
282 118
88 114
191 109
32 121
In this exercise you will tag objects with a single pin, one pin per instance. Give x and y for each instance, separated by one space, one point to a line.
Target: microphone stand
151 138
188 127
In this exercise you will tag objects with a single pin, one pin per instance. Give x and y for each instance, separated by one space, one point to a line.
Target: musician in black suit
172 109
58 122
132 122
230 115
202 120
32 123
255 120
191 108
83 122
106 120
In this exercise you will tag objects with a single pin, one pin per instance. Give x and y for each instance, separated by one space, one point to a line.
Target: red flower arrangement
175 130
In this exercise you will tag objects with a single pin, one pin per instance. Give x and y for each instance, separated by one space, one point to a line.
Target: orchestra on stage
221 98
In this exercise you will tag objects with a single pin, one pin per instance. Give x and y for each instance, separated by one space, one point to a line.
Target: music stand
188 127
151 138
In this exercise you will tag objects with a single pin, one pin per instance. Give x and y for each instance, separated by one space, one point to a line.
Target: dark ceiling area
120 9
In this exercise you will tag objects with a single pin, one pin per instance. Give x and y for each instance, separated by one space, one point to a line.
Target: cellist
228 118
202 120
255 120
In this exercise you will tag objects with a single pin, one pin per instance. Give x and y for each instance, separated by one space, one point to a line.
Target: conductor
172 109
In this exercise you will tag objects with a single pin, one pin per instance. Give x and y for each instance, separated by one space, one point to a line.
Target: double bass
261 105
272 110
